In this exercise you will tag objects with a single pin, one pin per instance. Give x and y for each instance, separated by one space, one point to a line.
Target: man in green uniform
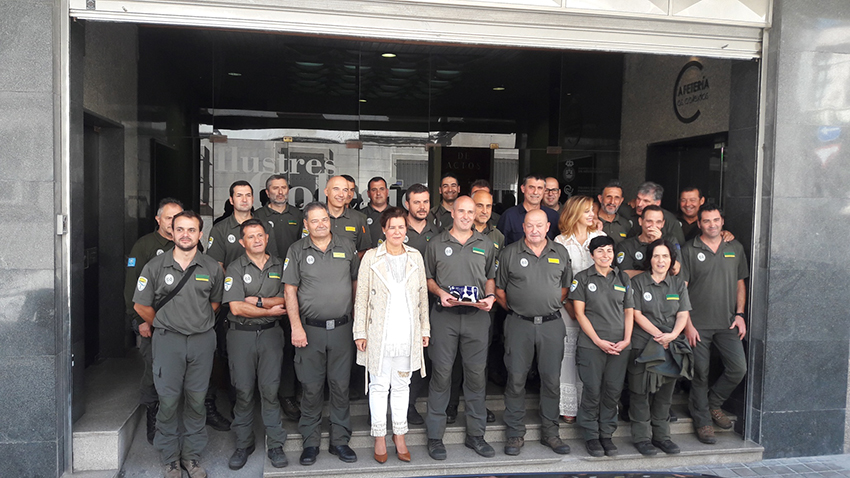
346 223
421 225
378 194
532 282
449 190
614 225
631 253
223 244
484 185
320 277
183 341
146 248
254 292
286 224
715 271
650 193
690 200
464 258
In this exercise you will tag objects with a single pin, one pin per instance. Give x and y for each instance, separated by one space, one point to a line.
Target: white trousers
395 384
570 383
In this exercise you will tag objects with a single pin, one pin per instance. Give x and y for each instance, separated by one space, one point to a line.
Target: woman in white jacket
577 226
391 327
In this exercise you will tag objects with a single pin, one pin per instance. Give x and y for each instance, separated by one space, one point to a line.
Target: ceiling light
498 88
362 100
388 55
233 73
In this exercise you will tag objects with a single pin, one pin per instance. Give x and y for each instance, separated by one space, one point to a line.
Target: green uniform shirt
495 235
533 284
659 302
671 225
351 225
451 263
689 229
284 228
713 281
442 216
190 311
146 248
605 299
631 253
373 220
323 278
223 243
618 229
419 241
245 279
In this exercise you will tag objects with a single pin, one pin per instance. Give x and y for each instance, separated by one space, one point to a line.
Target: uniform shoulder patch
143 282
210 242
573 285
228 283
131 262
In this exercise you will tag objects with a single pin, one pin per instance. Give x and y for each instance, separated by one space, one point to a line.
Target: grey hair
274 177
650 187
165 202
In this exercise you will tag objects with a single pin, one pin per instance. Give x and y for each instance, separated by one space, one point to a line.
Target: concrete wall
648 115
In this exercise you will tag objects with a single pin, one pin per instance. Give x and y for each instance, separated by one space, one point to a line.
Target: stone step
730 448
103 435
495 432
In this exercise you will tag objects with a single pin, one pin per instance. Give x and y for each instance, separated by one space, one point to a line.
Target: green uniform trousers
181 368
602 377
287 366
731 350
328 355
522 337
147 390
648 412
255 356
465 330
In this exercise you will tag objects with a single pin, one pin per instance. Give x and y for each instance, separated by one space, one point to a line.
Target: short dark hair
417 188
274 177
709 208
614 183
250 222
349 178
165 202
447 175
190 214
390 213
312 206
600 241
691 188
651 207
535 177
647 265
240 183
376 179
481 183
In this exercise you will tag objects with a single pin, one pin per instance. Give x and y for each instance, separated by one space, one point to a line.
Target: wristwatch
741 314
259 302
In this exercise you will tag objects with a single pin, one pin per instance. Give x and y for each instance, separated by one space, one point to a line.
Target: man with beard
614 225
146 248
552 194
178 293
463 261
449 190
511 222
286 224
378 195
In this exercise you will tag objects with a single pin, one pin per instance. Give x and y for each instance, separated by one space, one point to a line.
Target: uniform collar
286 210
701 245
592 271
308 243
550 246
345 213
162 241
273 260
649 280
173 263
476 236
429 225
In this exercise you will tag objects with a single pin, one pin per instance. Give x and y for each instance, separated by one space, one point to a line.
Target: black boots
215 419
151 421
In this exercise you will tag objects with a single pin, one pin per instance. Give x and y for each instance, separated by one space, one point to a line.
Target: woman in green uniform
661 314
603 305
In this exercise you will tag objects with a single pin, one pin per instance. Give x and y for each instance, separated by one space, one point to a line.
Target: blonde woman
391 327
577 226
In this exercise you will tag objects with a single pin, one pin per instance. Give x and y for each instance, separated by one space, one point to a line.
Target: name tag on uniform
477 250
339 255
729 254
202 277
672 296
619 288
293 223
274 275
497 246
554 260
350 228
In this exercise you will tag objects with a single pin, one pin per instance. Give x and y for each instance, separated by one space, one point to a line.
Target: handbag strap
176 289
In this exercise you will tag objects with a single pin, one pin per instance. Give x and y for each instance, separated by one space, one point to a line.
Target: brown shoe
706 435
194 468
172 470
720 419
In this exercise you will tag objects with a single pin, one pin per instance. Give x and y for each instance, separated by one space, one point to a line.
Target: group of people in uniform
592 295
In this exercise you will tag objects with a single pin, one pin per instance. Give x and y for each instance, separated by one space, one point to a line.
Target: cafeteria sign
691 90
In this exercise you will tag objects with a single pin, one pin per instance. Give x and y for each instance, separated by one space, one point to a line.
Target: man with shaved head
460 264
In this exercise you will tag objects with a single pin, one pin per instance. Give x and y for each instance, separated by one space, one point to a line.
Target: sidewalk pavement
831 466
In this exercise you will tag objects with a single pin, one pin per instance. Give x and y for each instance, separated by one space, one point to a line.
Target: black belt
539 319
252 328
459 309
328 324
